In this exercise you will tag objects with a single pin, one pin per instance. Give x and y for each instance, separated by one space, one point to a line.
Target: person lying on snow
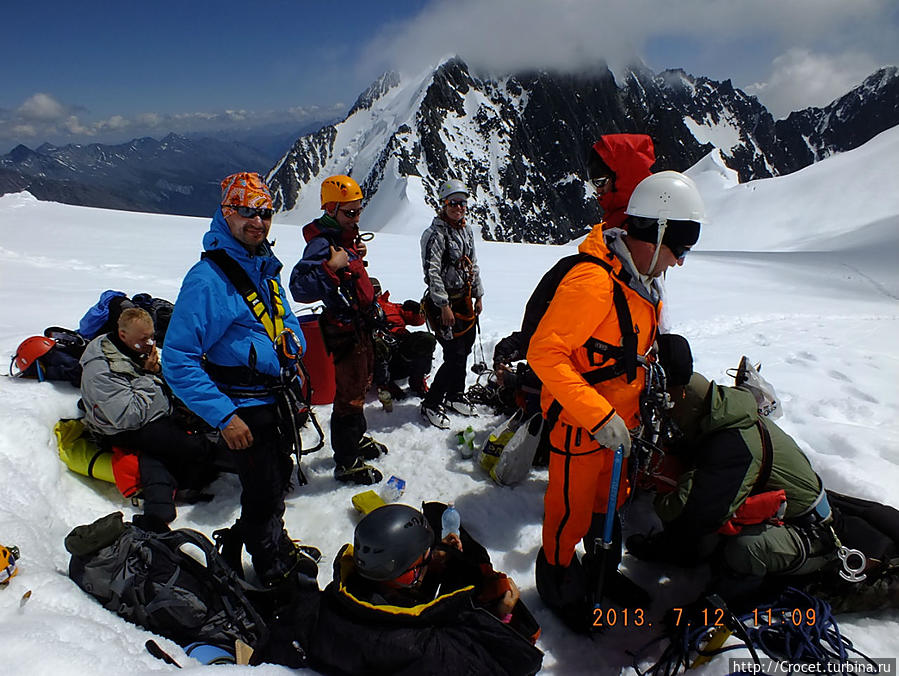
402 602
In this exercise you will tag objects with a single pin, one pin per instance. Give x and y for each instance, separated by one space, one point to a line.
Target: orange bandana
246 189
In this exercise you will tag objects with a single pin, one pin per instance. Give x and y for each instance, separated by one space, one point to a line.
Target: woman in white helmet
452 301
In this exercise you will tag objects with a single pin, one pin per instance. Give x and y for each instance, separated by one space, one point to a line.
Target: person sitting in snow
453 301
403 602
127 403
332 270
749 501
400 353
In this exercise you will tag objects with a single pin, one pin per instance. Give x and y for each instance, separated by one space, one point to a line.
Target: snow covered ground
797 272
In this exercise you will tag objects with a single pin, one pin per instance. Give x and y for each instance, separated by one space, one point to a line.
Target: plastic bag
518 454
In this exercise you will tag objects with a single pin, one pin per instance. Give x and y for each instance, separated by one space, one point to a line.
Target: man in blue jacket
224 360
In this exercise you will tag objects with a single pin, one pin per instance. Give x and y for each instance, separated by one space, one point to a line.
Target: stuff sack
174 584
517 455
83 456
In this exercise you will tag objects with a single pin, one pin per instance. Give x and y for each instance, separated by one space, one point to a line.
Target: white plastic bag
518 454
748 378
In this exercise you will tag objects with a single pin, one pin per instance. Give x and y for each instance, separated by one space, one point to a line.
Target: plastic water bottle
393 489
465 440
450 522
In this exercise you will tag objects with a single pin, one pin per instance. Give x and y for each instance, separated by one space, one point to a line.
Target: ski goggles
252 212
414 574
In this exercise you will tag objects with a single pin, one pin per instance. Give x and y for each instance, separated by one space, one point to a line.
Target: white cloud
42 107
574 35
800 78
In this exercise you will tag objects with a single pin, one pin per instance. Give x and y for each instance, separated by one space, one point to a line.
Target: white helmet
451 187
665 196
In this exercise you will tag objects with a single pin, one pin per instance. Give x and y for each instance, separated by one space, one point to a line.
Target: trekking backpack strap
767 460
274 326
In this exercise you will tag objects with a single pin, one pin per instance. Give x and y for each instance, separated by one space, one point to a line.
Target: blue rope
815 639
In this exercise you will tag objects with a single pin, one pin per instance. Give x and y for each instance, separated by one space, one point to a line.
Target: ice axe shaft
601 546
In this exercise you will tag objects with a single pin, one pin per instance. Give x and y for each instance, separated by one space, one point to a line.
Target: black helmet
389 540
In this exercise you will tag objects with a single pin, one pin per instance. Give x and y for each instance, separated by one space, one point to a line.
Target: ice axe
601 546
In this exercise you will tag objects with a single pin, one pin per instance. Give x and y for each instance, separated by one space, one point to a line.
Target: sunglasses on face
251 212
679 251
456 203
600 182
351 213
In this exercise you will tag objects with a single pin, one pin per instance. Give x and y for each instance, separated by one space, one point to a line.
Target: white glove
614 434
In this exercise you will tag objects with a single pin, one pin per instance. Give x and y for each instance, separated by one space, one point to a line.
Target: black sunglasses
457 203
251 212
600 182
351 213
679 250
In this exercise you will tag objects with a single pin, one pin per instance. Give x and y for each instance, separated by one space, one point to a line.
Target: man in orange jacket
587 350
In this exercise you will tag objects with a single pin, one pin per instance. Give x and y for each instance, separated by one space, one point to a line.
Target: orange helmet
8 570
340 189
32 349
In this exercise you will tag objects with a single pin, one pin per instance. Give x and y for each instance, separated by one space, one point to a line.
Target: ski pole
601 547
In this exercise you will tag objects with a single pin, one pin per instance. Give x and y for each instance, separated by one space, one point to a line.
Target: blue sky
104 71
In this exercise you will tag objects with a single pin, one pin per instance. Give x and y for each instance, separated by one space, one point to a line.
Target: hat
676 358
246 189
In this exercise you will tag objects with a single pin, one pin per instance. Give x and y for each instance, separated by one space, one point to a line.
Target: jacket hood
630 156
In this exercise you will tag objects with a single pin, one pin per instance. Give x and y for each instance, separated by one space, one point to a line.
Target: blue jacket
211 318
312 280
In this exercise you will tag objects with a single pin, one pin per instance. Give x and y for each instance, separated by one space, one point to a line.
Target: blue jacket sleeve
310 279
199 320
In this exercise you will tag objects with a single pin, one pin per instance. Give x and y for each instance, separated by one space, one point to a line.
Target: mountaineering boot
459 403
274 566
371 449
358 473
435 416
564 591
385 399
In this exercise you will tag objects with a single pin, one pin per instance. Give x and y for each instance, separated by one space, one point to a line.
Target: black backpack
156 581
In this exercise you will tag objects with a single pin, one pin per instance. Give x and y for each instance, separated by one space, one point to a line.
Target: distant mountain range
174 175
519 141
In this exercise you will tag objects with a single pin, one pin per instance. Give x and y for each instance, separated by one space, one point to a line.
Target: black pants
265 470
169 458
410 357
450 377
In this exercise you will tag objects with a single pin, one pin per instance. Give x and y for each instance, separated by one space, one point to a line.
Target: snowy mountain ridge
519 141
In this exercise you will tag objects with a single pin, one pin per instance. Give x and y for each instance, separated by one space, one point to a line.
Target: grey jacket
444 251
118 394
